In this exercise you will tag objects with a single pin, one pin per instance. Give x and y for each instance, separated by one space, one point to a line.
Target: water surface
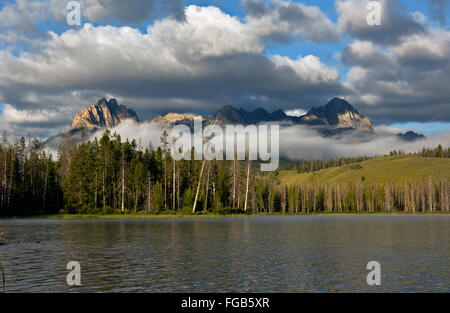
239 254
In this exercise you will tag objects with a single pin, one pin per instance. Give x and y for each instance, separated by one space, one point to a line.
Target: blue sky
431 128
389 95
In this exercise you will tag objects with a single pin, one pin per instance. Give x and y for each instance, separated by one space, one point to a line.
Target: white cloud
304 143
308 68
99 54
21 21
210 58
419 17
431 47
408 81
131 11
295 112
282 20
395 21
12 115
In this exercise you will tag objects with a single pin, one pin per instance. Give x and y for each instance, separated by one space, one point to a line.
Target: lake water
241 254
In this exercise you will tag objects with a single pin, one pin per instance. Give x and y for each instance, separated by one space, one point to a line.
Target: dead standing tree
198 186
206 141
248 180
164 143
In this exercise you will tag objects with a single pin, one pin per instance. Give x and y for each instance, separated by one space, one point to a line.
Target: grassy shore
205 215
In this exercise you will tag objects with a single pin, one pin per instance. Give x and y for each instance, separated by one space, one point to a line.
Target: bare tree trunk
5 176
178 187
96 189
123 180
103 187
165 178
11 178
207 187
30 158
445 196
430 194
283 199
246 188
270 199
307 195
45 184
136 201
234 180
174 186
149 194
314 195
412 197
198 186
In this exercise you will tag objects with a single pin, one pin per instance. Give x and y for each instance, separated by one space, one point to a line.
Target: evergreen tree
158 198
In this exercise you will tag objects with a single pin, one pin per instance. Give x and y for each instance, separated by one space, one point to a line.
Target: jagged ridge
335 117
103 114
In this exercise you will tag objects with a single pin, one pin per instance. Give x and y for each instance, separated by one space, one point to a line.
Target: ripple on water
262 254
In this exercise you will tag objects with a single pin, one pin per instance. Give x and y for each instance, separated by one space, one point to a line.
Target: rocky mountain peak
410 136
103 114
278 115
340 106
175 118
229 114
340 114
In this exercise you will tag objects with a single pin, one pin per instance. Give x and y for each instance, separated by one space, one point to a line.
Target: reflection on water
257 254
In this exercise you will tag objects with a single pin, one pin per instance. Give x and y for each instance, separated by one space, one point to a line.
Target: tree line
422 196
108 175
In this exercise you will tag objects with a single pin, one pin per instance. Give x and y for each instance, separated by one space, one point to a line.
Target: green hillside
395 169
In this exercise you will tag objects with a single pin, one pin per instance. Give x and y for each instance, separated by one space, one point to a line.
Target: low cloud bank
301 143
305 143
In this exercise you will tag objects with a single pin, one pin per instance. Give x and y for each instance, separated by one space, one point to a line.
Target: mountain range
336 117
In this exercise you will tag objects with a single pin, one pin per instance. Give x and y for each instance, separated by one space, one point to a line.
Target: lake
229 254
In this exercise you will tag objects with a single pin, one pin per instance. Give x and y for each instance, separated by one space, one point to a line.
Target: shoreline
208 215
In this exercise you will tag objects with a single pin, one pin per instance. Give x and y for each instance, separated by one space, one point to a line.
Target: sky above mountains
196 56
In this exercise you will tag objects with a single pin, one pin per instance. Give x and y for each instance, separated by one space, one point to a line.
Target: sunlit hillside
393 169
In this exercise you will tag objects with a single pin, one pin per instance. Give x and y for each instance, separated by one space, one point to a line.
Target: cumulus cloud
19 21
281 21
22 117
132 12
208 60
24 21
408 81
308 68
